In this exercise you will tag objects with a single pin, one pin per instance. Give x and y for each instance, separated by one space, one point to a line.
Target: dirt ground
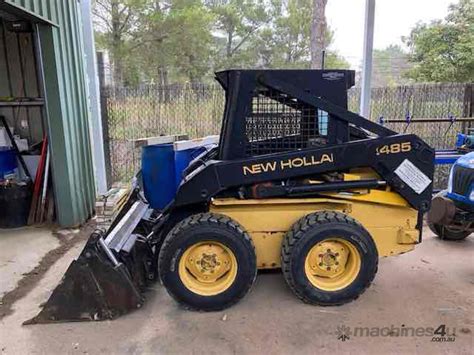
432 286
20 251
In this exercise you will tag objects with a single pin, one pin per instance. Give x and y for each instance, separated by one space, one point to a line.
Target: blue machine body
461 181
466 140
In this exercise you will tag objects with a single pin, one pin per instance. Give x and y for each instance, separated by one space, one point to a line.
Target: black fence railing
196 110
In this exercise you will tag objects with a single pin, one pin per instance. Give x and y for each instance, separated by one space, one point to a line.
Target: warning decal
412 176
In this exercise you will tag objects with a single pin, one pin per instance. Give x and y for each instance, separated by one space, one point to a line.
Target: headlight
471 196
450 181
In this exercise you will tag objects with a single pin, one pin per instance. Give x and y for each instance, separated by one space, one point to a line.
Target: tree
177 41
190 40
292 34
286 43
163 41
335 61
150 39
444 50
318 33
237 24
116 21
390 66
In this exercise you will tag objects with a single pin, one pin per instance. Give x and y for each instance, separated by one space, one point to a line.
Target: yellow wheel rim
208 268
332 264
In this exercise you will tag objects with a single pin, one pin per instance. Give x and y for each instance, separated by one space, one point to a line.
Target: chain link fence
443 101
134 113
197 109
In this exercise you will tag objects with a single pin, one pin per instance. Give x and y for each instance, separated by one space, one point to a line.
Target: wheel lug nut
337 254
328 268
320 264
337 263
320 255
329 250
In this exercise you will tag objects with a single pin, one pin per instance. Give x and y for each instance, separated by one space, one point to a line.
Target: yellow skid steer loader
296 182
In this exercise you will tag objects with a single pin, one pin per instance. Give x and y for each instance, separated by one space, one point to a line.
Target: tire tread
297 232
213 219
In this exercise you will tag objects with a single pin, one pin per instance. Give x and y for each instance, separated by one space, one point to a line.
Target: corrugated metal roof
68 106
25 11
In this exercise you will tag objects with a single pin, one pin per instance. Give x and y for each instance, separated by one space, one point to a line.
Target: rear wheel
447 233
328 258
207 262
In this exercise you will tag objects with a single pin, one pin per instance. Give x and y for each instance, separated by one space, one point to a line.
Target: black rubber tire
207 227
445 233
313 229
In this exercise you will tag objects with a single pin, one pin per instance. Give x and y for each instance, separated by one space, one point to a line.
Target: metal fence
446 100
134 113
196 110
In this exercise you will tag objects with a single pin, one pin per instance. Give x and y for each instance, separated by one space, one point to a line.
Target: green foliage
156 41
286 42
292 34
179 41
444 50
390 66
238 23
191 41
335 61
116 22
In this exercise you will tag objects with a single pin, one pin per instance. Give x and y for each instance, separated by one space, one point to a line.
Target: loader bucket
103 283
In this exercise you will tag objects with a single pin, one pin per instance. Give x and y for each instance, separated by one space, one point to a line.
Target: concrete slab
20 252
429 287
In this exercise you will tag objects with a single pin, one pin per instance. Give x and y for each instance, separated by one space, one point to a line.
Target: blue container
158 171
182 158
460 138
8 162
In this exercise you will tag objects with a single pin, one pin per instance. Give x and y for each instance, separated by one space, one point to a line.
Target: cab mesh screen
278 123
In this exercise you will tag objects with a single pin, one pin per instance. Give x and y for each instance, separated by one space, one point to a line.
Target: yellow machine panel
387 217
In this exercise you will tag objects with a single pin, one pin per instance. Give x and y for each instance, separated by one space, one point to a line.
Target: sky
393 19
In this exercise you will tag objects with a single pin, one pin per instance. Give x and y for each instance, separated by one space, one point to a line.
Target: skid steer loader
296 182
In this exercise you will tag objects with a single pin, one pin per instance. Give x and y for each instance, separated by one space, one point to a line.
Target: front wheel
447 233
207 262
328 258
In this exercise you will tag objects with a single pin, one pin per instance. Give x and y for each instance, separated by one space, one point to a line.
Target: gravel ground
432 286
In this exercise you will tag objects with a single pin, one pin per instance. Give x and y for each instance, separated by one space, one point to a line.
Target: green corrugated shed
59 24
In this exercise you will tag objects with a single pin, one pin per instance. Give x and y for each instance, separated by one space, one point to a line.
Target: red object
38 179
